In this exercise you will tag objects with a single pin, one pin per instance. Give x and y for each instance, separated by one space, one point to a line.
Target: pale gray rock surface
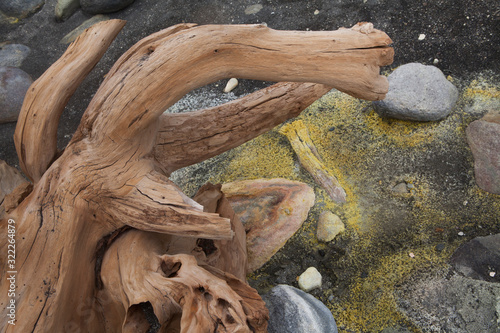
453 304
417 92
14 83
13 54
66 8
21 8
293 311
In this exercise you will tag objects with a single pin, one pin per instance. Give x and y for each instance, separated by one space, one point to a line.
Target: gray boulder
66 8
21 8
417 92
14 83
483 137
293 311
453 304
13 54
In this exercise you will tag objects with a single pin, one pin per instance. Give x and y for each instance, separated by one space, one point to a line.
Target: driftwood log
105 242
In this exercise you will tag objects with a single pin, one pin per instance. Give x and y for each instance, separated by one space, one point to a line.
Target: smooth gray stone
66 8
14 83
21 8
479 258
293 311
13 54
104 6
417 92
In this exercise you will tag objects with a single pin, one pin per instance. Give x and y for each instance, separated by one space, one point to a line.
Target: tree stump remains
105 242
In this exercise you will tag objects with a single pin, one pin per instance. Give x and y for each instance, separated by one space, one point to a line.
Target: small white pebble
492 274
461 233
412 255
421 37
310 279
231 84
465 203
316 12
436 61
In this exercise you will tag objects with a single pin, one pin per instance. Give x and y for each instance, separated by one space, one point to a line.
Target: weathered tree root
106 193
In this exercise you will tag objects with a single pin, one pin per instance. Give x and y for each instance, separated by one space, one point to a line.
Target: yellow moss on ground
262 157
481 89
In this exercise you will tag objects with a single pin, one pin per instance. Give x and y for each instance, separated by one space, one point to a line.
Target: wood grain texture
36 130
309 158
94 234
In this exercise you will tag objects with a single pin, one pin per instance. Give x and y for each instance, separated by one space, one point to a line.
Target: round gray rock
13 54
293 311
417 92
21 8
14 83
104 6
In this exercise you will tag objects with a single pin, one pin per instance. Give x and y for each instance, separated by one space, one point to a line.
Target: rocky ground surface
413 197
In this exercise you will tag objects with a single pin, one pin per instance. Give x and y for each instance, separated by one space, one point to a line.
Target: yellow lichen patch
262 157
308 156
481 89
401 132
371 304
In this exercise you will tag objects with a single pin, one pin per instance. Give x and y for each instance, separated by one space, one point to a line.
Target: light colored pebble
492 274
412 255
461 233
329 226
231 84
421 37
316 12
310 279
253 9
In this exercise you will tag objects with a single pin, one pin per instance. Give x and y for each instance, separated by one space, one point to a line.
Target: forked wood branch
105 237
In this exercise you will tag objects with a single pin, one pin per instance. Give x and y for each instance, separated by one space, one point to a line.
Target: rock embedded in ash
253 9
271 211
21 8
66 8
14 83
329 226
443 303
310 279
479 258
104 6
13 55
293 311
417 92
483 137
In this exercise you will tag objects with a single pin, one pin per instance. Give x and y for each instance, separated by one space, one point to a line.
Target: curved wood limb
36 130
